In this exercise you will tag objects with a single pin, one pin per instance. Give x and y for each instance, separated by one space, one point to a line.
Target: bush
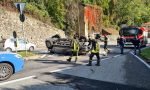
146 54
37 11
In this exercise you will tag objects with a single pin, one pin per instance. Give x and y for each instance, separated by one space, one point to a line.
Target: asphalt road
52 72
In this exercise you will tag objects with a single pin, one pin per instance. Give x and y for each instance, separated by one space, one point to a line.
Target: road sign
14 34
20 7
22 17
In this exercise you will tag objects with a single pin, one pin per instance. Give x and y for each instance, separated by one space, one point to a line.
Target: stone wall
34 30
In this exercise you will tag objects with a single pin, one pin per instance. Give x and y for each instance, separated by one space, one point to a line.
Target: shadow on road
68 82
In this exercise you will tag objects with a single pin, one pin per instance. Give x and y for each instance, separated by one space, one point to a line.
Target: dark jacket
105 39
121 41
135 41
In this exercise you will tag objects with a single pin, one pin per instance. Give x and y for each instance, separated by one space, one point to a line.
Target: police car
10 63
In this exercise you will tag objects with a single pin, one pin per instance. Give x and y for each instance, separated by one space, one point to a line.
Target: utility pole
20 6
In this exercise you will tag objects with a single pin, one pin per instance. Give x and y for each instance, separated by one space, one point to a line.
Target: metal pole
79 20
25 40
16 46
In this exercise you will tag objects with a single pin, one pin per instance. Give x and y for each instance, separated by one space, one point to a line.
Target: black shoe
69 60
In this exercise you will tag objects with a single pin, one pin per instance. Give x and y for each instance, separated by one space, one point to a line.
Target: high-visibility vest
75 45
97 48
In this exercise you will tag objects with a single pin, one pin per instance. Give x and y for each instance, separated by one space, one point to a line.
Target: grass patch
29 54
146 54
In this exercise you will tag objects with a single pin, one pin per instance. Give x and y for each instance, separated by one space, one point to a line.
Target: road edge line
17 80
141 60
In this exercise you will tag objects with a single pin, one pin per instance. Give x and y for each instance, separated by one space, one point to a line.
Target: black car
56 44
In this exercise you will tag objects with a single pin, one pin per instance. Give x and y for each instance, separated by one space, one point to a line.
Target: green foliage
145 54
71 16
28 54
56 10
133 12
38 10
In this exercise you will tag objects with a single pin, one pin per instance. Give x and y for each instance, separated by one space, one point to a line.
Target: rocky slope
34 30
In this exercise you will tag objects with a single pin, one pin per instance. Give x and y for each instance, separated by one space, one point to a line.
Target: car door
21 44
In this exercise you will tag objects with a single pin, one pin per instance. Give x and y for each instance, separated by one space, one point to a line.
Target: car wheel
49 45
6 70
31 48
8 49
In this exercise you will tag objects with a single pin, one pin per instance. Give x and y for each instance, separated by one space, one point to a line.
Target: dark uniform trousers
137 47
98 58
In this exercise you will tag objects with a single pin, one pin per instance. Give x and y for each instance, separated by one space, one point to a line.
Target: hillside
35 30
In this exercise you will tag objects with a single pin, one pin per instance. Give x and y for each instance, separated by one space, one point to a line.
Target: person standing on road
94 51
75 49
118 41
121 43
137 44
105 43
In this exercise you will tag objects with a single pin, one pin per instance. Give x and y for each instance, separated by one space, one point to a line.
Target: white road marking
17 80
147 65
43 56
108 58
58 70
117 55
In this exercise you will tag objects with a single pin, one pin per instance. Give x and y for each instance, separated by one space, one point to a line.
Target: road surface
53 72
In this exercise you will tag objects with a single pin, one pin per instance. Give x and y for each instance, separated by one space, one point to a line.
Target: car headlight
18 56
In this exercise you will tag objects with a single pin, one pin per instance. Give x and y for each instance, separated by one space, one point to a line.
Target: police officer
75 49
94 51
136 43
121 43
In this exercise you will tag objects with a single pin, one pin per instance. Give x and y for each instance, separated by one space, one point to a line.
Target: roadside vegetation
29 54
63 14
146 54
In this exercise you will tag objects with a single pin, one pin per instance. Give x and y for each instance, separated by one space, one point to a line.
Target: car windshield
22 41
129 31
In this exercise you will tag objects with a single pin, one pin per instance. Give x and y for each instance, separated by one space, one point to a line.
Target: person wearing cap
95 48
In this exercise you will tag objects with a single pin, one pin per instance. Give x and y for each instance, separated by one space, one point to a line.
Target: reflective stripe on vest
75 46
97 49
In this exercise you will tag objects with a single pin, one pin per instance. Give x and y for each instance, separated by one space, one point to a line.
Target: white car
21 45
